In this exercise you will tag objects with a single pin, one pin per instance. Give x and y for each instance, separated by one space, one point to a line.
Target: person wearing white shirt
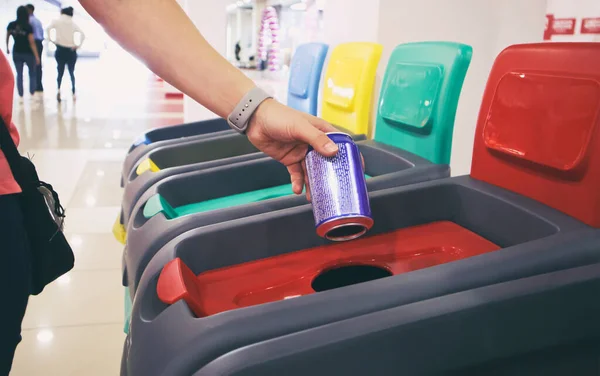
63 32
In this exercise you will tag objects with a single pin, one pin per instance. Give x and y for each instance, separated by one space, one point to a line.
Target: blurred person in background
38 36
63 33
238 50
24 50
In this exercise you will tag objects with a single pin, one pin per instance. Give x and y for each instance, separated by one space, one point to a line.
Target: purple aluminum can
338 191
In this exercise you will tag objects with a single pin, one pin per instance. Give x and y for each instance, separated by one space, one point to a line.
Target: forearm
161 34
7 40
34 48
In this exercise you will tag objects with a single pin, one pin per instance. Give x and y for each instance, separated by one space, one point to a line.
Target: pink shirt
8 185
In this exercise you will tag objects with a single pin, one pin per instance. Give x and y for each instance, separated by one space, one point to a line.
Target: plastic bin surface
348 85
421 88
305 75
535 233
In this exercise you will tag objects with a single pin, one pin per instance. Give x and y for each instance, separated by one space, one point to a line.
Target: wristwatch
239 118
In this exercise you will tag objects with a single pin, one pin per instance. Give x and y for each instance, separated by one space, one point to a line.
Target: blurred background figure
38 36
24 50
67 37
238 50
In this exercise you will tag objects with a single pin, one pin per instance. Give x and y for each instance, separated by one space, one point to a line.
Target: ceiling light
64 280
45 336
90 201
76 240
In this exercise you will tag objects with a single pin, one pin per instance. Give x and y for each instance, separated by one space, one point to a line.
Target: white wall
488 26
575 9
350 21
210 18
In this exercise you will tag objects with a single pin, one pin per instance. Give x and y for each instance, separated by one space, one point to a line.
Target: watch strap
241 114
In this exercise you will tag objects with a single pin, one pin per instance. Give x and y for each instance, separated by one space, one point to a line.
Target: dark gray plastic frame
172 135
542 325
535 239
199 153
388 167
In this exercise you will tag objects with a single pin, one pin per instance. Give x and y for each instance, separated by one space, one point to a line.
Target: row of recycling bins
495 273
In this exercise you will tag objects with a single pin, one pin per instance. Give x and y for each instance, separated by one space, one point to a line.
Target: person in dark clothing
65 31
38 36
14 277
24 49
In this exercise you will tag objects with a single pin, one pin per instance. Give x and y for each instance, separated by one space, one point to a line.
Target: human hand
37 61
284 134
8 51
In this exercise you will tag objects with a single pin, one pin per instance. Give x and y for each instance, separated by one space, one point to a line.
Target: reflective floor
75 327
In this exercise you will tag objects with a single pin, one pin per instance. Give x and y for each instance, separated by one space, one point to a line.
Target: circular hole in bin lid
347 231
348 275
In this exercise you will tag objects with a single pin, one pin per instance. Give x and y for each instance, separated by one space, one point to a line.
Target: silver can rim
356 235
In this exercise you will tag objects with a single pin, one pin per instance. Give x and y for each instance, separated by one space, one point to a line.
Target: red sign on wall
590 26
563 26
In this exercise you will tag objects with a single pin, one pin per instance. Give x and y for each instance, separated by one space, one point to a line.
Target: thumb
306 132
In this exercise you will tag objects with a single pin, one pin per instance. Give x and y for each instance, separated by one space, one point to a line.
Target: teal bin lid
419 96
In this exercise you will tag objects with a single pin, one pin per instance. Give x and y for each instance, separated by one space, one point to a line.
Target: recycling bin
172 135
282 279
423 124
199 198
216 296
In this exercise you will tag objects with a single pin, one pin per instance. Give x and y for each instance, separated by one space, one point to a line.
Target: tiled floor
75 327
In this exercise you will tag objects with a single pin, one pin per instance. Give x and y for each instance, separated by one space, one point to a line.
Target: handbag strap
8 147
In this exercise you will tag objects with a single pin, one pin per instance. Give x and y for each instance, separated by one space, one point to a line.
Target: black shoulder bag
51 255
